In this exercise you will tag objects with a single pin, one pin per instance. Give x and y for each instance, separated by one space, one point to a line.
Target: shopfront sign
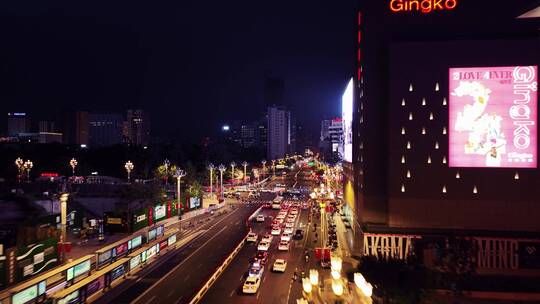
423 6
389 245
499 253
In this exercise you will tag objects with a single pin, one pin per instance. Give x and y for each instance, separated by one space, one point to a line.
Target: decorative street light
273 167
63 220
264 166
20 167
179 174
211 167
28 166
245 166
233 164
166 164
129 167
73 163
221 169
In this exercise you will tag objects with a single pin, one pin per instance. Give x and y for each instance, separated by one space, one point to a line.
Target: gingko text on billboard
493 117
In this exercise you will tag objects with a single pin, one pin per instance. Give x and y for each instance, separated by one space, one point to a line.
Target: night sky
193 64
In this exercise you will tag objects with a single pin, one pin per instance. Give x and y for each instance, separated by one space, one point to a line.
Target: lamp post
179 174
211 167
129 167
166 164
63 220
28 166
221 169
20 167
264 166
73 163
273 167
245 166
233 164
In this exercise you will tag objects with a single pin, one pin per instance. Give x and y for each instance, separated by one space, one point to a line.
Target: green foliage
195 189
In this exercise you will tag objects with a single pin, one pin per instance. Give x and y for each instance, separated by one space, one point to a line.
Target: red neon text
424 6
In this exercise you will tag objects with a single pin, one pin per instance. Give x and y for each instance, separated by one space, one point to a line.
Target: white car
289 224
275 231
288 230
263 246
294 211
280 216
252 237
279 265
251 285
291 216
289 220
283 245
285 237
267 238
260 218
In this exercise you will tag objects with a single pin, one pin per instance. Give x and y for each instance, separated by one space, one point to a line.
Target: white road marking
170 294
186 278
232 293
150 300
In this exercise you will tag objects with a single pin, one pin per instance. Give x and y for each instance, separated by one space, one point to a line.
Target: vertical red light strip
359 55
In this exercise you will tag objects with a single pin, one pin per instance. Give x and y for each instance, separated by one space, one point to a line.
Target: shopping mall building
444 129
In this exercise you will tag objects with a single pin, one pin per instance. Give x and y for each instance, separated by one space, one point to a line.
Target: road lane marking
258 294
170 293
187 258
232 293
241 277
150 300
186 278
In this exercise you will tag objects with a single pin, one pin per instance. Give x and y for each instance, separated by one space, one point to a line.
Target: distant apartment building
331 139
137 127
75 131
278 132
248 134
105 129
18 122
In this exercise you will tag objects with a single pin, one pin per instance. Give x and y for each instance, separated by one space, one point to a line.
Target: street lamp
179 174
63 220
211 167
273 167
233 164
221 169
166 164
129 167
73 163
28 166
264 166
245 166
20 167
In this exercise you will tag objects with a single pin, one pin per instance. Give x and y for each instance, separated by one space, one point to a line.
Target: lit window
516 176
436 86
403 102
423 130
361 171
423 101
436 145
408 145
361 145
444 101
410 116
361 106
402 188
475 190
444 189
408 174
429 159
402 131
361 158
431 116
410 87
402 159
444 159
444 130
457 175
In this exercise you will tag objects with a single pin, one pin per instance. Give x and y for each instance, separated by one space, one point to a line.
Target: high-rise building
18 122
105 129
325 124
248 134
75 128
261 134
331 140
47 126
293 134
138 127
278 132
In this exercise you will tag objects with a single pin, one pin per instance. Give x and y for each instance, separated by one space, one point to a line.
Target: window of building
444 189
408 174
457 175
436 86
431 116
410 87
475 190
402 188
444 101
429 159
436 145
410 116
423 131
408 145
402 131
516 176
402 159
403 102
423 101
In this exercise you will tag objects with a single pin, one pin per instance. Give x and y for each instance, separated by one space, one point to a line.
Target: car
267 238
280 216
275 230
251 237
283 245
291 216
263 246
288 230
325 263
294 211
289 220
289 224
260 218
256 269
279 265
251 285
285 237
261 257
299 234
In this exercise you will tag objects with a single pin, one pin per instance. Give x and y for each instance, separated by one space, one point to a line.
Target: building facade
75 128
137 127
105 129
18 122
278 132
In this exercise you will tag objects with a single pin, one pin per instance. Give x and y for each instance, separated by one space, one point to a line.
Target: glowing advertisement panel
492 120
347 116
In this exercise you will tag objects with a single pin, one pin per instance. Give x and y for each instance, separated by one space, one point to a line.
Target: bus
276 203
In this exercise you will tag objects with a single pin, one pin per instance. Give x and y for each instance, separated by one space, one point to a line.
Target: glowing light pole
28 165
263 162
166 164
129 167
73 163
221 169
245 166
233 164
273 167
211 167
63 220
20 167
179 174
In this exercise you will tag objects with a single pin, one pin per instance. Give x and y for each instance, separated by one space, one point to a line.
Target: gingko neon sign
493 117
424 6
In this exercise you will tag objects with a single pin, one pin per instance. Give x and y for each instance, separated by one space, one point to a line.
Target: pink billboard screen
492 117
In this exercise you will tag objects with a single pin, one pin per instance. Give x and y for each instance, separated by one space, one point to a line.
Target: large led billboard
492 120
347 116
